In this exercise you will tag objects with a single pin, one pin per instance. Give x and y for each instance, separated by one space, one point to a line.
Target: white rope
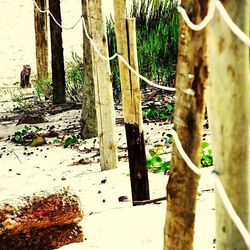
234 28
62 27
102 56
211 10
183 154
94 45
219 188
143 77
203 23
42 11
230 210
123 60
58 24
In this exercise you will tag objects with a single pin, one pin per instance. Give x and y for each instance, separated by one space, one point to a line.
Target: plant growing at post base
155 162
206 154
74 78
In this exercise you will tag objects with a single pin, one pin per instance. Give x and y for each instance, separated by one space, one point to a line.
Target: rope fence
214 4
211 11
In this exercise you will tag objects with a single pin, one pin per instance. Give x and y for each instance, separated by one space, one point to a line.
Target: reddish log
45 220
42 239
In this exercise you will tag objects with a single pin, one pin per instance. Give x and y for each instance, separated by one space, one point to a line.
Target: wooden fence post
191 82
58 73
88 116
229 114
131 98
41 36
104 102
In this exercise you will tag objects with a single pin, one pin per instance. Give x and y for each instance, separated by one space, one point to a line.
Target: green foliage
157 26
161 113
24 102
169 139
154 161
74 78
157 30
43 88
114 63
72 140
206 154
25 135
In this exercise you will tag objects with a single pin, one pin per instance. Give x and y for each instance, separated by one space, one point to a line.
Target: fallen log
45 220
42 239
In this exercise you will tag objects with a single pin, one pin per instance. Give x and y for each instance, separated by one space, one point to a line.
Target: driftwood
46 220
42 239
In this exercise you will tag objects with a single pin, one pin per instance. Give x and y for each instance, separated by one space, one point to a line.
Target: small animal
25 76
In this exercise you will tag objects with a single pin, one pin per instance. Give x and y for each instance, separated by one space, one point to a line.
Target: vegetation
74 78
156 163
35 136
160 113
206 154
157 41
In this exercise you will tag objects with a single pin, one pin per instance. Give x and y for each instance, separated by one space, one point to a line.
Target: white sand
108 225
17 40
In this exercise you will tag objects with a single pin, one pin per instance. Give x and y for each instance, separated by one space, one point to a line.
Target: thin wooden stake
229 114
131 98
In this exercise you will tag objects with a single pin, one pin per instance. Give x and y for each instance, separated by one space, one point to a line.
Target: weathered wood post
229 114
41 37
88 116
191 82
104 102
131 98
58 73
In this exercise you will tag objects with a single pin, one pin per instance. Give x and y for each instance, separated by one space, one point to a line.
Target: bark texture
191 81
131 101
104 102
229 116
58 73
88 119
41 36
43 238
45 220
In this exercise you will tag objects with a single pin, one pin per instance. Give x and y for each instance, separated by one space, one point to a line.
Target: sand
17 40
108 225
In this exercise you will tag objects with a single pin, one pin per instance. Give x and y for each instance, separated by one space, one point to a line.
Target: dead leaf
38 141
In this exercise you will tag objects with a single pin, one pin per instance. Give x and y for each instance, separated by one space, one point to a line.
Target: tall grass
157 40
157 27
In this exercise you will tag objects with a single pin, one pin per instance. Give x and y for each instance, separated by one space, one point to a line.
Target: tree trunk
46 220
88 118
191 81
58 74
229 116
41 36
104 102
131 102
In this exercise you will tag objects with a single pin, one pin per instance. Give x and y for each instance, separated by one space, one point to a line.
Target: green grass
157 31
